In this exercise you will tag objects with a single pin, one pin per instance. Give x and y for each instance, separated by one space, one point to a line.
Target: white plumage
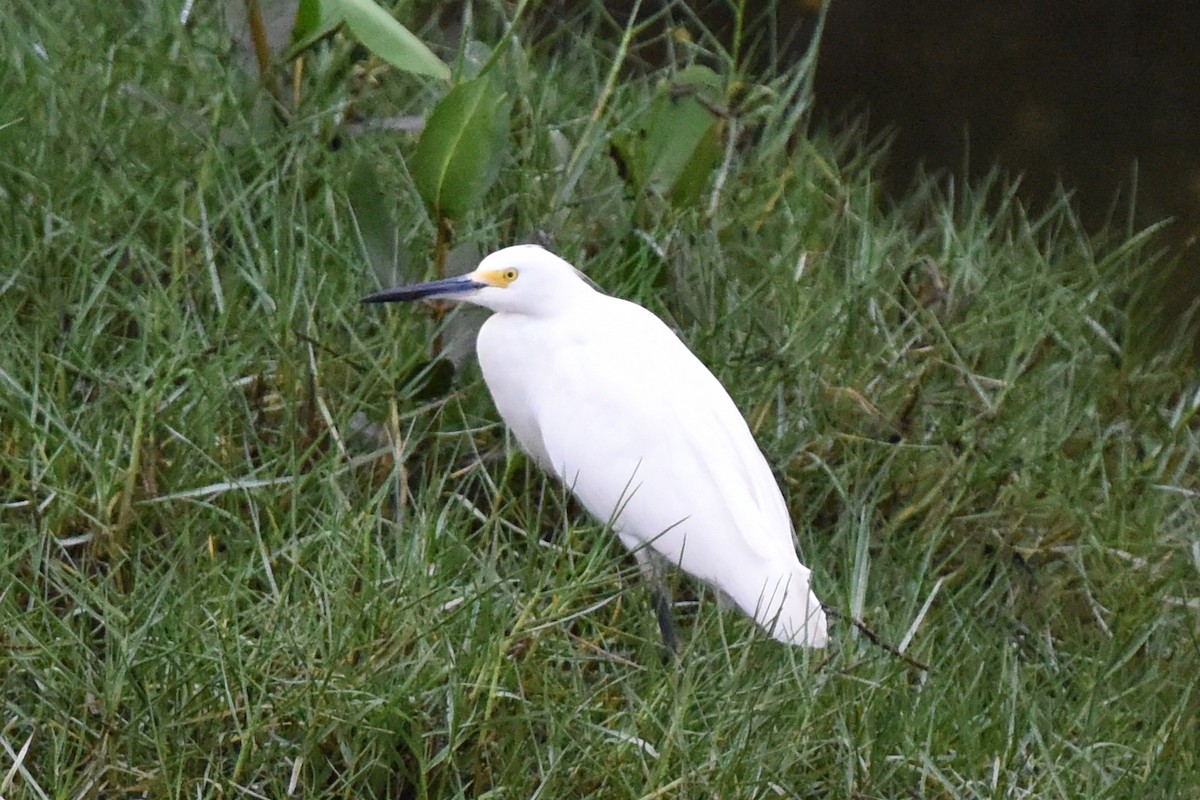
606 397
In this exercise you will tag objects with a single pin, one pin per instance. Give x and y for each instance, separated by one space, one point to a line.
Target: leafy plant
673 155
378 30
459 154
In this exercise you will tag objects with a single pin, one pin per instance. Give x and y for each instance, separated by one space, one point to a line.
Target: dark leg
662 607
660 597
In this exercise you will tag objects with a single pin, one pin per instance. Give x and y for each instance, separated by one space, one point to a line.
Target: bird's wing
645 435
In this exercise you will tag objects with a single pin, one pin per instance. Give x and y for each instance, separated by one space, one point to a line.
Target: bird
604 396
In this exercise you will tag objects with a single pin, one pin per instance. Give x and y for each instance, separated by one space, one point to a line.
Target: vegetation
252 545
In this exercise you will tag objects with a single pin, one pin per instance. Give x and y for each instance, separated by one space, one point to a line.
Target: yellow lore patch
499 278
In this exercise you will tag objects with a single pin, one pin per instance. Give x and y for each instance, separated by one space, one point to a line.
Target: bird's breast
518 369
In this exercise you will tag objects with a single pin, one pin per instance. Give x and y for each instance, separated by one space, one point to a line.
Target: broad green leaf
314 21
674 154
308 19
385 37
459 154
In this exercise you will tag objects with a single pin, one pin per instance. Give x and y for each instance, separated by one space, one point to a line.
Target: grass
242 555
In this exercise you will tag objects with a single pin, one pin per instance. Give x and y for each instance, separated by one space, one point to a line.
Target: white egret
603 395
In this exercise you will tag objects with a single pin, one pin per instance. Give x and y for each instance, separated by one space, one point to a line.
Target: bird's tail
790 612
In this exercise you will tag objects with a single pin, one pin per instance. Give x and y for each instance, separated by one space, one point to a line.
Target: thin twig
875 640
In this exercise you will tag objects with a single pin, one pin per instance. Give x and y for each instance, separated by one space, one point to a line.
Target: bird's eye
510 275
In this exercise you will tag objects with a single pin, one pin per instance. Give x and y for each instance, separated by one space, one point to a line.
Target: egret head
524 279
